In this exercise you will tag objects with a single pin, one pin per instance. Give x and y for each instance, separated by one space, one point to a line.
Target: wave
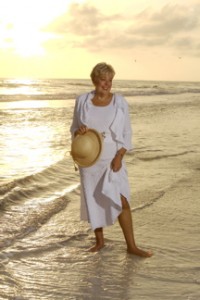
21 97
64 240
21 224
51 83
29 202
158 91
150 202
70 90
157 157
72 96
51 180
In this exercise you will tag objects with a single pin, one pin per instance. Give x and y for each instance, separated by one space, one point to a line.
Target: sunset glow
155 39
22 25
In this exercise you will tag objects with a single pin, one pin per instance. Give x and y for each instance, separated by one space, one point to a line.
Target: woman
105 193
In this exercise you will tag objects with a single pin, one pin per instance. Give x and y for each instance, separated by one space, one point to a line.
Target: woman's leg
99 240
125 221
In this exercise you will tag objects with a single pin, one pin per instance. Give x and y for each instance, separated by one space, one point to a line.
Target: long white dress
101 188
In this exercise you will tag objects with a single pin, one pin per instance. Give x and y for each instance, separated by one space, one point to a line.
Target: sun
22 23
28 42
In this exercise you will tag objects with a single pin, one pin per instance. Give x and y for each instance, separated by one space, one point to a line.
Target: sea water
43 244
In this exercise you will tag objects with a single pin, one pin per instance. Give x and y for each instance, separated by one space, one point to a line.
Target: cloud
81 20
173 26
171 19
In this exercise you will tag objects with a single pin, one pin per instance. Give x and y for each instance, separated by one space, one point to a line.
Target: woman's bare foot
99 240
96 248
140 252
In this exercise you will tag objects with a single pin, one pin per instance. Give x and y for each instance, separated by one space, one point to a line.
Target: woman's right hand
81 130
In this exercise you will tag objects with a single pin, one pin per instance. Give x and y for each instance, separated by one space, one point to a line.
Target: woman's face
103 84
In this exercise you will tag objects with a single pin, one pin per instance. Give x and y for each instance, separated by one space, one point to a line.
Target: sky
142 40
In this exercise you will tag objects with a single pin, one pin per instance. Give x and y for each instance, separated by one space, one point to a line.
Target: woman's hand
116 163
82 129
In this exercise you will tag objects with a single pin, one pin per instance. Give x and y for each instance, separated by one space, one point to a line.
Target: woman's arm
116 163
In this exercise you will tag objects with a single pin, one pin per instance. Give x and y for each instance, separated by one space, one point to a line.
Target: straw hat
86 148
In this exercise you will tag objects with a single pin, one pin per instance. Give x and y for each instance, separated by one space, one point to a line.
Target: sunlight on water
44 246
36 104
24 104
60 193
20 86
29 146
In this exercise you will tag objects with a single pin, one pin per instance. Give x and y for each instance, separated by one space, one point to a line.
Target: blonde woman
105 192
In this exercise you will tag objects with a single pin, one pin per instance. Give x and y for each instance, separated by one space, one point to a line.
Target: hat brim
94 148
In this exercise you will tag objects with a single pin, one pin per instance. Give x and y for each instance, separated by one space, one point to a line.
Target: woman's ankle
97 247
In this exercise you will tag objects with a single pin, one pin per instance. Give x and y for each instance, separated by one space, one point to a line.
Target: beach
44 244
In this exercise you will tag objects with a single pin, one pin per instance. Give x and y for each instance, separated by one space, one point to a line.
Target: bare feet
140 252
96 248
99 240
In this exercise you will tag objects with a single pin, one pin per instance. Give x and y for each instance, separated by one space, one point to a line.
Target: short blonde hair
101 69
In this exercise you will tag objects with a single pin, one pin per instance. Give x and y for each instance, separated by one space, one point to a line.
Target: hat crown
86 148
83 146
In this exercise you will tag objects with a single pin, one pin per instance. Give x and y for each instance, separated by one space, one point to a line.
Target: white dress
101 188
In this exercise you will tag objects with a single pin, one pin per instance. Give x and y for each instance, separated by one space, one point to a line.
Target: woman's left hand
116 163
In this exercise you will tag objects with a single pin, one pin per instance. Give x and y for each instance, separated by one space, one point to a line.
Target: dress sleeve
75 123
127 130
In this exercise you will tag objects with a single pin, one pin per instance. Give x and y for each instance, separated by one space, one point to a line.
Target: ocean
43 243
